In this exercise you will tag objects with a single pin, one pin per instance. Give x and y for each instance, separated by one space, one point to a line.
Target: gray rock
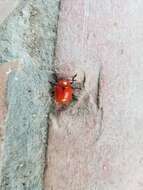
28 35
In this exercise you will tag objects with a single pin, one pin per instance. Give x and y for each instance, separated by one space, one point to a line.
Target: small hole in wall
121 51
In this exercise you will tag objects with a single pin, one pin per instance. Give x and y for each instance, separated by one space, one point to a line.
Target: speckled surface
88 149
6 7
94 33
27 35
5 70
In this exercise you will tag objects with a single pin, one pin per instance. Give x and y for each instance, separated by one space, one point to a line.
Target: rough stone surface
6 7
93 33
27 35
5 70
86 151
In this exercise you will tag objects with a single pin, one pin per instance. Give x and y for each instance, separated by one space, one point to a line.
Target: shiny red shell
63 92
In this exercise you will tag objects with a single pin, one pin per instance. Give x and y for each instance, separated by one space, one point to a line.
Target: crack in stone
100 110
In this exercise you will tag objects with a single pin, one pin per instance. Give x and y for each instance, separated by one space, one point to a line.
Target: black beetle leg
52 83
52 92
78 88
74 97
54 75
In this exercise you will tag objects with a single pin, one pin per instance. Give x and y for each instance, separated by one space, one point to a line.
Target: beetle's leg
74 97
76 88
54 75
52 83
52 94
51 90
55 79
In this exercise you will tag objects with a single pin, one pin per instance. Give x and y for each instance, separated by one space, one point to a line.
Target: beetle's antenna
73 78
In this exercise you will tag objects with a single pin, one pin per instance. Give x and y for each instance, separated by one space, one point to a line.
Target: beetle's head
63 83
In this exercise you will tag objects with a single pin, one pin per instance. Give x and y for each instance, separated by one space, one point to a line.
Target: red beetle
63 90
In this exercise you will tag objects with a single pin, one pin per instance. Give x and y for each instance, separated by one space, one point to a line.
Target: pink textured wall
6 7
86 151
